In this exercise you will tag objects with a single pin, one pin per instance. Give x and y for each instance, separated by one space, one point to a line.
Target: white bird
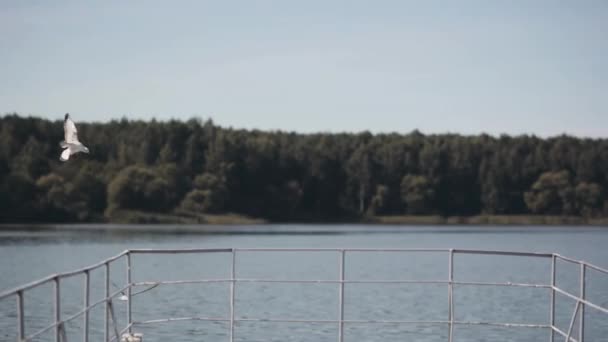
71 144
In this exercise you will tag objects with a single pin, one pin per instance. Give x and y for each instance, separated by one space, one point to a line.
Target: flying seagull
71 145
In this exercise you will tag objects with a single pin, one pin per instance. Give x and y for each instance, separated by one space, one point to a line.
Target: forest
189 169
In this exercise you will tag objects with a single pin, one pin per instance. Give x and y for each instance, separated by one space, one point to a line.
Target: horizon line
203 119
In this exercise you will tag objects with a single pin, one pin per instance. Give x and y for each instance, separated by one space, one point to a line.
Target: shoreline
118 231
233 223
498 220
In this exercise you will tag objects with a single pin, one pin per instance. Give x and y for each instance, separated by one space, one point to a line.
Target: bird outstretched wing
69 129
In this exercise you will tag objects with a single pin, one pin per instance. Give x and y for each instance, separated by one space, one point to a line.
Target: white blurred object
138 337
124 297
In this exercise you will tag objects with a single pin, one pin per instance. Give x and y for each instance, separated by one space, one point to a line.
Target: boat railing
113 329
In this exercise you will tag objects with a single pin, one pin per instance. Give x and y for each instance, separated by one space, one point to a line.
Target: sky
497 67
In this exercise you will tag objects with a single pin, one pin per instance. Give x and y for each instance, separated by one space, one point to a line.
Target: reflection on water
26 255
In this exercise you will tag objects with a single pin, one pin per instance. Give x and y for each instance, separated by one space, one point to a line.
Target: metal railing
59 323
581 302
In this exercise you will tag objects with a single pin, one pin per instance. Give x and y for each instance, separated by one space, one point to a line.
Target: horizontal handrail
246 249
180 319
335 321
179 251
506 325
506 253
581 300
330 281
479 283
342 249
580 262
52 277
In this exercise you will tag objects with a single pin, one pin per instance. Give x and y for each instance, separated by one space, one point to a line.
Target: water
26 256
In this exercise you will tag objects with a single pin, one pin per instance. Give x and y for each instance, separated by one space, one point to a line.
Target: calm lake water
26 256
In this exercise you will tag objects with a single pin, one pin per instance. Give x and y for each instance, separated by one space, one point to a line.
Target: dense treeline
194 167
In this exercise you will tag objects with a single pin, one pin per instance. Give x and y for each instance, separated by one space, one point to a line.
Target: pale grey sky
462 66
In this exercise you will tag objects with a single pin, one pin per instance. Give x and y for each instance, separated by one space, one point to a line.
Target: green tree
54 191
18 200
137 187
359 171
552 194
418 194
31 160
208 196
589 199
88 195
379 202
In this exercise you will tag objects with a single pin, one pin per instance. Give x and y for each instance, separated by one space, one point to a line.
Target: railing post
87 284
581 329
232 290
20 317
576 308
129 301
57 310
107 304
341 299
552 317
114 322
232 293
451 295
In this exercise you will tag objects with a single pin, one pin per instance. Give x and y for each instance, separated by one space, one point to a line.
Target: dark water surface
26 256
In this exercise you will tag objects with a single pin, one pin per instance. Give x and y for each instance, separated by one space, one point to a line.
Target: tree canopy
199 167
